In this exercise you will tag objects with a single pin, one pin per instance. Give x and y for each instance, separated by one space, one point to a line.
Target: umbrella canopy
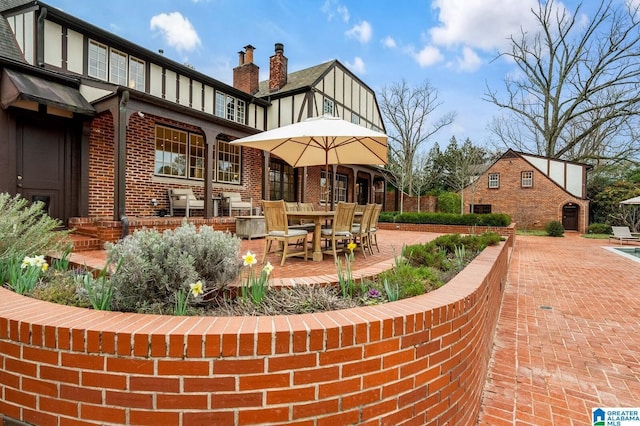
634 200
321 141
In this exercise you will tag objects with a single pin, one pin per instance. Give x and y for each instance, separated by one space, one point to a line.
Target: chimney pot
240 58
278 69
249 53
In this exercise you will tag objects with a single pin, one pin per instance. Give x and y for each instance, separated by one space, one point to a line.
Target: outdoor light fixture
154 202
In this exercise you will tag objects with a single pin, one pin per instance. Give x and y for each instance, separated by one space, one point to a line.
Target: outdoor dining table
318 216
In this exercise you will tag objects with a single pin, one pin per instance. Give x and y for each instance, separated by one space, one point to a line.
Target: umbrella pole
326 183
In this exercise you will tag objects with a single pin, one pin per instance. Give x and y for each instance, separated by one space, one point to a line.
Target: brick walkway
568 337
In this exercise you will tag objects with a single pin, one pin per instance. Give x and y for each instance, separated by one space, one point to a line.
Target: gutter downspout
121 165
40 37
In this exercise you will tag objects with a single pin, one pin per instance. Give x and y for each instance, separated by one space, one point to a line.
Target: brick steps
83 242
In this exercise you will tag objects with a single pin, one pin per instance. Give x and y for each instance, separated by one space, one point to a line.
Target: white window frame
137 73
98 55
342 186
355 118
118 64
494 180
327 106
240 111
526 182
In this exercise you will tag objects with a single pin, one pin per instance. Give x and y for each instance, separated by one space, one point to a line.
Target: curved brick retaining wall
421 361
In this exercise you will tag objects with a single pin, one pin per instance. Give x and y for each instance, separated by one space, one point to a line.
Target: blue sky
452 43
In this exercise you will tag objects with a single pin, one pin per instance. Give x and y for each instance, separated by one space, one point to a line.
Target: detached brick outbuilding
533 190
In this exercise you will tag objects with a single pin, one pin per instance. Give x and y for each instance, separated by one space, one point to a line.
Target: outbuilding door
570 217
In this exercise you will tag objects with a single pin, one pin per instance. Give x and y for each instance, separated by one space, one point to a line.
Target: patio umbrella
321 141
634 200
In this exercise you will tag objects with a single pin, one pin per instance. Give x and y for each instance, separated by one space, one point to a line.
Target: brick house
99 127
533 190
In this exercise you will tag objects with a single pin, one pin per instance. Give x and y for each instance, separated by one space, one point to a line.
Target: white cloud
176 30
428 56
469 61
481 24
389 42
332 7
357 66
361 32
344 13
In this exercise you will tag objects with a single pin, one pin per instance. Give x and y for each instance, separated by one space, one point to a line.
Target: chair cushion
328 231
291 233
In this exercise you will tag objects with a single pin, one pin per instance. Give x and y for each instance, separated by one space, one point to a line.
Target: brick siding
531 208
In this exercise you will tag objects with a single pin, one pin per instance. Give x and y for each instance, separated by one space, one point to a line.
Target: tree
607 203
409 111
461 167
576 96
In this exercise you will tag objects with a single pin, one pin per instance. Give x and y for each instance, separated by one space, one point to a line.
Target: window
118 67
282 181
340 193
494 180
171 152
355 118
228 162
196 156
97 60
240 111
527 179
328 106
220 107
136 74
481 208
229 107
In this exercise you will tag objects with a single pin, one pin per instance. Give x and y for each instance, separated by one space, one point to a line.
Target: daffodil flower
351 246
249 259
196 288
268 268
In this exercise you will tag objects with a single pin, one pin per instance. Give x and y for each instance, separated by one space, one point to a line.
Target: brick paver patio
568 337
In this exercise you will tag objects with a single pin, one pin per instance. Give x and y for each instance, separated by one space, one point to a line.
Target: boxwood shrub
490 219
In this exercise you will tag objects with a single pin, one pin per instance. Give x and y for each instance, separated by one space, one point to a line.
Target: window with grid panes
179 153
328 106
97 64
136 74
118 67
340 193
228 162
494 180
527 179
282 178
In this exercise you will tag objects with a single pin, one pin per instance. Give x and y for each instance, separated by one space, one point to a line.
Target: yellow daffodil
351 246
44 267
268 268
196 288
249 259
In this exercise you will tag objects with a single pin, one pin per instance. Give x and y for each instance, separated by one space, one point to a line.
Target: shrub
471 219
554 229
25 230
449 202
63 288
154 267
600 228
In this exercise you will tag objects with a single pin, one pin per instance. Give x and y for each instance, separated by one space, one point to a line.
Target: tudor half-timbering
99 127
533 190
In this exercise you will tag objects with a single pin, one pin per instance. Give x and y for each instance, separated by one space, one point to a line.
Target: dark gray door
570 217
40 166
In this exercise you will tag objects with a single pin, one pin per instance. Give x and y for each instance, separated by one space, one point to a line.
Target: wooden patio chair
359 209
361 231
373 227
277 229
340 231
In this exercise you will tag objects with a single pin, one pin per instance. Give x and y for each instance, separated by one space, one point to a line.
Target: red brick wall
531 208
416 361
140 182
101 166
428 203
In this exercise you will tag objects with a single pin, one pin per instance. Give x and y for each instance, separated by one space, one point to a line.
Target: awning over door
17 86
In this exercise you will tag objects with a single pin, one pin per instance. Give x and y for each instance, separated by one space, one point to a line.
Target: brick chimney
246 75
277 69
